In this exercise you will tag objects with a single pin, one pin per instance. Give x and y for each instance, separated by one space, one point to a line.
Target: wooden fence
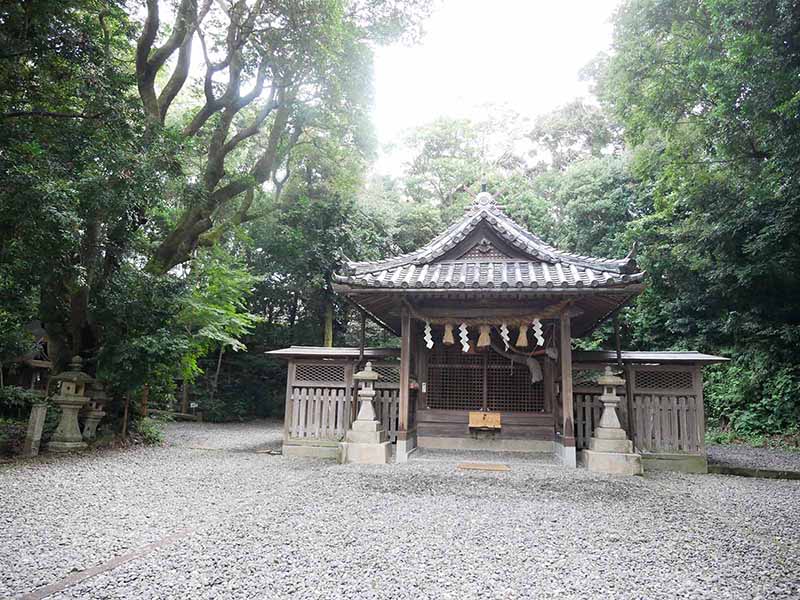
667 409
322 405
666 406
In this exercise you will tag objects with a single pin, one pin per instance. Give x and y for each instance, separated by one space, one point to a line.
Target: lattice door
480 381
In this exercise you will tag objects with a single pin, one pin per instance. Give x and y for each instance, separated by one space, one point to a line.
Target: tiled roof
535 264
489 274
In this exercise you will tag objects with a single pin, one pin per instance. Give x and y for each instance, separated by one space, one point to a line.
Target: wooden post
145 400
362 340
631 421
402 445
617 341
125 414
405 367
287 413
548 384
568 431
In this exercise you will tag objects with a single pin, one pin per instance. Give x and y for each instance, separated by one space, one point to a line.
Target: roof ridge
485 208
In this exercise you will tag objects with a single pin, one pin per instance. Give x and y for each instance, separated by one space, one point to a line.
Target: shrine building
486 314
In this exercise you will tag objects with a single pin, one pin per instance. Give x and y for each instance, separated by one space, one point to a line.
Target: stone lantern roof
74 373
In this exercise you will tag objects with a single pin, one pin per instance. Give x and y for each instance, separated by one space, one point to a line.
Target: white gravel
273 527
739 455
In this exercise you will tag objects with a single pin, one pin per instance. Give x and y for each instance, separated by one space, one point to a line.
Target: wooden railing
325 413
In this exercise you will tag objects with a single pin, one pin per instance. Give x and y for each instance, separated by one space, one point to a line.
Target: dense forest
178 188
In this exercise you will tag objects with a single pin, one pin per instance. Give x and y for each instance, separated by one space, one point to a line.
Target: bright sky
524 54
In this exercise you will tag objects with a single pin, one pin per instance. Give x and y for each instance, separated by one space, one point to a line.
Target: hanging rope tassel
505 336
448 335
537 332
428 337
522 340
464 337
484 339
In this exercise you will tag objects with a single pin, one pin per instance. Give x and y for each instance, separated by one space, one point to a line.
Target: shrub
151 431
755 394
12 436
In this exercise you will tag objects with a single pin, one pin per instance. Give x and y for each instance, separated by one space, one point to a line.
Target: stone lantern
71 397
94 412
610 450
366 441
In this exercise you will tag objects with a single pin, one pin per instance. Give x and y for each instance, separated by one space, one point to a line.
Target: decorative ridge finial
484 200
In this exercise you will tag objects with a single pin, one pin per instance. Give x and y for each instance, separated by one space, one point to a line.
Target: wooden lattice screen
483 380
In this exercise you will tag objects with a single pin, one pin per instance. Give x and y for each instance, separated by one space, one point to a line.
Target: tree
707 93
574 131
272 71
78 183
453 157
110 158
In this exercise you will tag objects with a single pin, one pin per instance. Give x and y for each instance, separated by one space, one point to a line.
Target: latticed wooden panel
454 385
388 373
456 381
484 252
319 373
663 380
509 389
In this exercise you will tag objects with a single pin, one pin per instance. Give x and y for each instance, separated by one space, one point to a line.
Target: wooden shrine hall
486 314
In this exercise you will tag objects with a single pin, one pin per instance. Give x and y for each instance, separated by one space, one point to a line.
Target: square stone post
366 441
33 437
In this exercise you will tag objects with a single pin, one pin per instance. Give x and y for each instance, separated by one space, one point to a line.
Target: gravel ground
265 526
755 458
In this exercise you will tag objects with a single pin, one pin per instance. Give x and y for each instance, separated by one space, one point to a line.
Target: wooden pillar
404 445
287 411
405 367
568 430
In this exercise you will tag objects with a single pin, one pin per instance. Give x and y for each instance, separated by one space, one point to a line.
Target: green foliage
150 430
570 133
706 91
13 398
214 313
142 340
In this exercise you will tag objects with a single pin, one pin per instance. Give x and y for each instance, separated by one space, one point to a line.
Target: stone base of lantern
610 451
366 443
616 463
67 436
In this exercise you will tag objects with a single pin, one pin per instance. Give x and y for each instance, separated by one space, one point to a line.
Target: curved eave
623 288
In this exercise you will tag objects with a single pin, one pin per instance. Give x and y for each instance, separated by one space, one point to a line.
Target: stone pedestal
365 441
68 435
33 437
94 413
610 450
92 420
